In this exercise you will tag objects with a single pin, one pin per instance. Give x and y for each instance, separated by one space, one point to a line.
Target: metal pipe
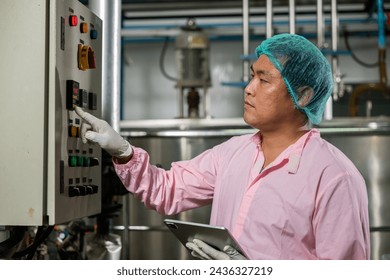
337 77
245 40
335 25
320 24
360 90
328 113
110 12
269 19
381 43
292 16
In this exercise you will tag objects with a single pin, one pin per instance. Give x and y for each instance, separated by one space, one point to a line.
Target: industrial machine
50 62
192 59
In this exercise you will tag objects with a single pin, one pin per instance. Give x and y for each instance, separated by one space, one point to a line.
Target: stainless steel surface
269 16
291 6
245 39
320 24
110 12
364 140
338 88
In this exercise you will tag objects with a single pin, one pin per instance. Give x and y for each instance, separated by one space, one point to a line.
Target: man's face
267 102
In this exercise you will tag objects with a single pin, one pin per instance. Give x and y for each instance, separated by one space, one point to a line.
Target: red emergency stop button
73 20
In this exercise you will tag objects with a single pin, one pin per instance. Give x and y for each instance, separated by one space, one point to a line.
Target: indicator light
73 20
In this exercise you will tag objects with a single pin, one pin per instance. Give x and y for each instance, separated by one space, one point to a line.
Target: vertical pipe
269 19
381 25
245 40
328 113
335 60
292 16
381 43
110 12
335 25
320 24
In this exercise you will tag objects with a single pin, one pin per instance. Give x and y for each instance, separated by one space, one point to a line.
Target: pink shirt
309 203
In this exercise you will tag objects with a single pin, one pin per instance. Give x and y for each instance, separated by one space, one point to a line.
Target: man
283 192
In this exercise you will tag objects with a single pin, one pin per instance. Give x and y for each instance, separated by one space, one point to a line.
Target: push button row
73 21
82 190
82 161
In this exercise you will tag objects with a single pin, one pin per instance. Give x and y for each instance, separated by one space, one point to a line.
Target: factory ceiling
168 8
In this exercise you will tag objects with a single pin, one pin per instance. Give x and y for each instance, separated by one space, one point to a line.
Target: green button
80 161
72 161
86 161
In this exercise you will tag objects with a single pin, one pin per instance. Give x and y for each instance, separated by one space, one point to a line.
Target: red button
73 20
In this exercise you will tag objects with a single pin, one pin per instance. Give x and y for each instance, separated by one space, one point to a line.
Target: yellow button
84 27
74 131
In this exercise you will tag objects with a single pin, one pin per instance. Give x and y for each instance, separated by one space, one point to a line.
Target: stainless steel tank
365 141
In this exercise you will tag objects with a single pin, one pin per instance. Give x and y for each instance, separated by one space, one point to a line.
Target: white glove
205 252
100 132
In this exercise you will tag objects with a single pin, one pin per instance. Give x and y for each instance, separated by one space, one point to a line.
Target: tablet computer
215 236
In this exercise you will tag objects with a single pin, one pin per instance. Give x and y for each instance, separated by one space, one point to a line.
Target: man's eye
263 81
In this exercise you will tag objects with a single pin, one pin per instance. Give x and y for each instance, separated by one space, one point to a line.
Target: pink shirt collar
293 153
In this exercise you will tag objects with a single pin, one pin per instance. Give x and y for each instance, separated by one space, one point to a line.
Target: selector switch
82 190
93 162
89 189
73 191
95 188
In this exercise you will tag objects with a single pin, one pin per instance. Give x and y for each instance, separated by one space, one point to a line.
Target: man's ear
305 93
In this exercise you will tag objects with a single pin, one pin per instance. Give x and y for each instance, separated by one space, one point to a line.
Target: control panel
51 61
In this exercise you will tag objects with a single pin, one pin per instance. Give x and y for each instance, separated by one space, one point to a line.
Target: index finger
85 116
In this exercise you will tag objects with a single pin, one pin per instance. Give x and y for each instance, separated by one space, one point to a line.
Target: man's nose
249 88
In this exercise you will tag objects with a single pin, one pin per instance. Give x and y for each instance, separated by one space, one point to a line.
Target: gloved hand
205 252
100 132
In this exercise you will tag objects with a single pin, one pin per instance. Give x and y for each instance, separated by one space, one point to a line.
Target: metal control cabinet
50 60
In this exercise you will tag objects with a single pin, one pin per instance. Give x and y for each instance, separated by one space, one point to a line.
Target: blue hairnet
303 67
